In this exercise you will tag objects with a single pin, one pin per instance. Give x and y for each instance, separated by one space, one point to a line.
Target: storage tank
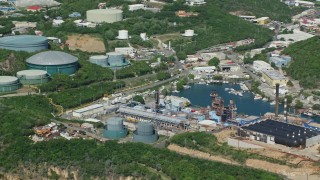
54 62
145 133
115 128
9 83
104 15
116 60
33 77
28 43
100 60
123 34
188 33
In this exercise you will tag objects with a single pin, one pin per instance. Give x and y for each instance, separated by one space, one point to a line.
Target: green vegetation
161 67
74 97
208 143
181 83
15 61
163 75
306 62
139 99
298 104
214 62
316 107
91 159
136 69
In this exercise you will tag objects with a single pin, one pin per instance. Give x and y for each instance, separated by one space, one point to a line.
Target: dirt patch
199 154
166 37
241 13
223 136
86 43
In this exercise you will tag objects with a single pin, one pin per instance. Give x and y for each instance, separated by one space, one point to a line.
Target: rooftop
273 74
23 39
31 73
88 108
52 58
7 79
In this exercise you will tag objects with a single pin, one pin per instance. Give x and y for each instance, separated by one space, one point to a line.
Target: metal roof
52 58
7 79
88 108
31 73
23 39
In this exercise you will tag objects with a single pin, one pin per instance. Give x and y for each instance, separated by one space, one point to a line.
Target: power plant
54 62
115 128
224 112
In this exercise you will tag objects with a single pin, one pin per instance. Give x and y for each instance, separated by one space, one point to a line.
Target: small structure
27 77
123 35
134 7
263 20
94 109
115 128
229 66
280 61
273 77
9 83
144 36
260 66
188 33
124 50
74 15
206 69
195 2
57 22
183 13
145 133
34 8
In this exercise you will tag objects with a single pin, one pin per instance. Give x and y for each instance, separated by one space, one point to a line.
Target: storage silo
33 77
28 43
145 133
9 83
115 128
100 60
104 15
188 33
123 34
54 62
116 60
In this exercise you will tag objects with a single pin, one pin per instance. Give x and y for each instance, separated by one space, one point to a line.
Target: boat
265 99
226 89
186 86
307 113
175 91
257 96
272 103
240 94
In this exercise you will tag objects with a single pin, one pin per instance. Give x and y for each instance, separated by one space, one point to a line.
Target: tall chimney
277 100
285 110
157 99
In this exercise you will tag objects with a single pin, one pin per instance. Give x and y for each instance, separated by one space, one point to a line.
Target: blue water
199 95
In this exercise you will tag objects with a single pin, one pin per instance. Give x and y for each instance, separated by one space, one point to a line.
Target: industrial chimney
157 100
276 110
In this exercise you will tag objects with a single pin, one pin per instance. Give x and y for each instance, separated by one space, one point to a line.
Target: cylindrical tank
9 83
29 43
33 76
123 34
189 33
115 128
100 60
145 133
116 60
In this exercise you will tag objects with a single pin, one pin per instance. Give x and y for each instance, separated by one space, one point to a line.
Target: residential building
273 77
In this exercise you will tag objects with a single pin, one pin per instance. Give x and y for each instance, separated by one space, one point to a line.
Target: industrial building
88 111
134 7
115 128
9 83
296 36
260 66
273 77
25 3
54 62
195 2
188 33
280 61
125 50
229 66
123 35
104 15
112 60
29 43
145 133
27 77
275 132
206 69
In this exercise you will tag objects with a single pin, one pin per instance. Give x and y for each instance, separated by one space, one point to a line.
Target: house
34 8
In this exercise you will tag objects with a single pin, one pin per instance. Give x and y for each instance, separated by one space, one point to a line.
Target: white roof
52 58
31 73
207 123
92 120
88 108
261 63
7 79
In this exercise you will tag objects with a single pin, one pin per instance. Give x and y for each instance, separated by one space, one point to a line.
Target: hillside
306 62
274 9
88 159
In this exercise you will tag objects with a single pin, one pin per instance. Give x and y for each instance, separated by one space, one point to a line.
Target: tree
191 76
163 75
289 83
138 98
316 107
214 62
298 104
182 55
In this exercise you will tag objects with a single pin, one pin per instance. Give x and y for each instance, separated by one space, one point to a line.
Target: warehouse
54 62
275 132
260 66
273 77
145 133
9 83
29 43
27 77
88 111
104 15
115 128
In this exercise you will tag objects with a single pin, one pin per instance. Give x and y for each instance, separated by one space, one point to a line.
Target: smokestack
285 110
277 100
169 45
157 99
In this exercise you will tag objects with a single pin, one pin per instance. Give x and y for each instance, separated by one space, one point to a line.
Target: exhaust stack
276 110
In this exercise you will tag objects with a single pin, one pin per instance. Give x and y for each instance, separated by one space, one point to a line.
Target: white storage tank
123 34
33 76
188 33
9 83
104 15
100 60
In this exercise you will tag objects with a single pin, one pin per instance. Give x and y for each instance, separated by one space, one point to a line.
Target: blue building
281 61
247 120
